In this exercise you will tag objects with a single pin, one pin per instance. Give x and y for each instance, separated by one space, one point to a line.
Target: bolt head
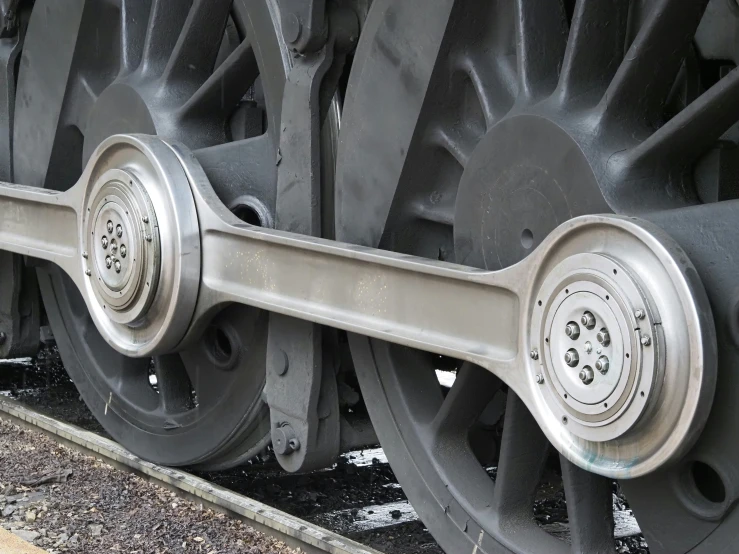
124 250
284 440
586 375
534 354
109 226
572 330
603 337
588 320
148 238
119 230
84 255
539 379
108 261
601 364
639 314
572 357
646 340
145 219
588 347
88 272
117 266
104 242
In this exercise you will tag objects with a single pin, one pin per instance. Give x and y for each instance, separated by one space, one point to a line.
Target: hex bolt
572 330
586 375
123 250
119 230
539 379
145 219
110 226
601 364
588 320
588 347
572 357
108 261
284 440
534 354
646 340
117 265
639 314
104 240
603 337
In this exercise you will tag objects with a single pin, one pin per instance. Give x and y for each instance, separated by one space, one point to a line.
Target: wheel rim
507 147
209 74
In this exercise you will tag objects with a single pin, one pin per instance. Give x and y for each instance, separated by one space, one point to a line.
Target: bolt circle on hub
646 365
141 234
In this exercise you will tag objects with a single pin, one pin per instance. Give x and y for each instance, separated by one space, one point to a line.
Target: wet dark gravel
96 508
345 487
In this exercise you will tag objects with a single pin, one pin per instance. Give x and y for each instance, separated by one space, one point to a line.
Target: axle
601 331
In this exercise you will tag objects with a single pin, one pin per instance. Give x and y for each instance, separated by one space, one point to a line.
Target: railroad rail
292 530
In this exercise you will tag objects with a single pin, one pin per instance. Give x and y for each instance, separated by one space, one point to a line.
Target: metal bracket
304 24
19 308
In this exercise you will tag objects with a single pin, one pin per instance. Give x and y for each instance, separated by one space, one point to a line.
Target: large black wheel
471 130
210 74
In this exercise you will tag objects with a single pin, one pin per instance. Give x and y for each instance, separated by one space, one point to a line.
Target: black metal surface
530 114
182 70
20 308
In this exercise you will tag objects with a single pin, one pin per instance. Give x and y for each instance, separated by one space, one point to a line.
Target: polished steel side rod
186 257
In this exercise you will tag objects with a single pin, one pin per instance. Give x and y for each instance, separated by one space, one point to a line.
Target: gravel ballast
65 501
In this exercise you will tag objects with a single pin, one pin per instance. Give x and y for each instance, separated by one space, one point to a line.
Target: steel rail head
604 331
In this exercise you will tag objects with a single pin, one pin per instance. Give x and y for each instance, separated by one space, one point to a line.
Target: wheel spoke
473 389
594 48
523 453
695 129
197 46
133 35
173 383
646 75
244 167
494 85
166 19
458 142
541 38
220 94
589 509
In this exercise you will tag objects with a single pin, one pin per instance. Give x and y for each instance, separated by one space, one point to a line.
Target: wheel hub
123 242
525 177
140 241
602 346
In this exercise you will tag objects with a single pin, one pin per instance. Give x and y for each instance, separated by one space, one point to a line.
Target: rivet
88 272
84 255
145 219
646 340
588 347
534 354
148 238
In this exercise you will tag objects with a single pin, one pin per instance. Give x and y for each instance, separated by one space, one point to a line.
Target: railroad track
292 530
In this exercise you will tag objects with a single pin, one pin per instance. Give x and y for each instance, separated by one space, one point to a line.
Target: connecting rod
604 331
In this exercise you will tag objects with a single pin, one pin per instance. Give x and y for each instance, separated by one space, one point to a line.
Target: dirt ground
64 501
